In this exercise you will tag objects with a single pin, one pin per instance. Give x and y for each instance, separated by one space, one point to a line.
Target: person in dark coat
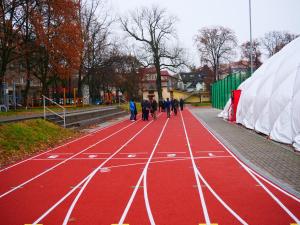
168 107
135 111
175 106
143 105
153 108
160 105
147 109
181 103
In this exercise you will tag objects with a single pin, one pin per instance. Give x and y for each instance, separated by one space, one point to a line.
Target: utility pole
251 42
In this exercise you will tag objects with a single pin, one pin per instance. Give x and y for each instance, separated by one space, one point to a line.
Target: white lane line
60 153
252 174
97 153
201 195
92 156
52 156
171 155
171 152
210 154
53 167
178 157
207 151
60 146
84 182
221 200
136 153
139 182
67 217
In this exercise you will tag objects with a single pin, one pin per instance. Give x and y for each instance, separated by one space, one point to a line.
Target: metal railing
63 116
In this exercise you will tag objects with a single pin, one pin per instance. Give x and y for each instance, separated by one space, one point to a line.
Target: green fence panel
221 90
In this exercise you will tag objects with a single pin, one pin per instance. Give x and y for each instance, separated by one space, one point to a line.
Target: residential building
149 87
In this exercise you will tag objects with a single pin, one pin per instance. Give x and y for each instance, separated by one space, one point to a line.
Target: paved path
276 161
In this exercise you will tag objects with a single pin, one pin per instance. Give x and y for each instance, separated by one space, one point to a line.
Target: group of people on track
151 107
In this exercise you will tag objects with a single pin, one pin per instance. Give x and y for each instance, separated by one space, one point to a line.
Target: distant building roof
192 77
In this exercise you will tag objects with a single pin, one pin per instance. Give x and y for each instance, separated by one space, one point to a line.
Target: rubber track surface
165 172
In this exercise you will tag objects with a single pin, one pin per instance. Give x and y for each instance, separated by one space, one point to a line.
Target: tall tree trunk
25 95
158 80
79 84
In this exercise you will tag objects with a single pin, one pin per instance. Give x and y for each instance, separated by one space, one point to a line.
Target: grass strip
21 139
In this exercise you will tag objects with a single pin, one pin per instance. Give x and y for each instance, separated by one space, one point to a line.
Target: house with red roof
148 83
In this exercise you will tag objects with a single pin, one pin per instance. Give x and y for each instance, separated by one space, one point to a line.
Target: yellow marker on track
210 224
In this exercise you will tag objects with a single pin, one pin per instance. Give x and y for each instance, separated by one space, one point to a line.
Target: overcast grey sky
267 15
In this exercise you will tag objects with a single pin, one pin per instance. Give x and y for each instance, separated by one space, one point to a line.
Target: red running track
164 172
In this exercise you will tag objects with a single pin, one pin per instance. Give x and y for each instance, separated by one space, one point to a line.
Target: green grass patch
21 139
201 104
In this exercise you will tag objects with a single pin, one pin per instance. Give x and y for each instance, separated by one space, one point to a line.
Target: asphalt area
164 172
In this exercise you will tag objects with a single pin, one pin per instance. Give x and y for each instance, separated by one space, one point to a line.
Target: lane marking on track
252 174
171 152
210 154
85 181
60 146
121 224
171 155
201 195
144 178
31 224
137 186
210 224
61 153
97 153
221 200
95 171
198 174
71 157
135 153
53 156
131 156
104 170
154 158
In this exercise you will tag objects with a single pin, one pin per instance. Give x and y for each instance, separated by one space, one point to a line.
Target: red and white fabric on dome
270 98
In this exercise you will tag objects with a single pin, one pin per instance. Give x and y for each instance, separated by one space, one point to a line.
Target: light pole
251 42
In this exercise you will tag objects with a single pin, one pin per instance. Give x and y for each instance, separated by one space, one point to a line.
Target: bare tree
11 21
246 53
215 45
156 32
274 41
95 24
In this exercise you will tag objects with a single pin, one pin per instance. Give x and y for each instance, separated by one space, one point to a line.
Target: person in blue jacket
168 107
132 108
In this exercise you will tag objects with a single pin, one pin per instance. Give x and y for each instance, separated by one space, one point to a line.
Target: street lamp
251 42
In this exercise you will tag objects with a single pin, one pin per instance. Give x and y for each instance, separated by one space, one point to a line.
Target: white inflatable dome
270 98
